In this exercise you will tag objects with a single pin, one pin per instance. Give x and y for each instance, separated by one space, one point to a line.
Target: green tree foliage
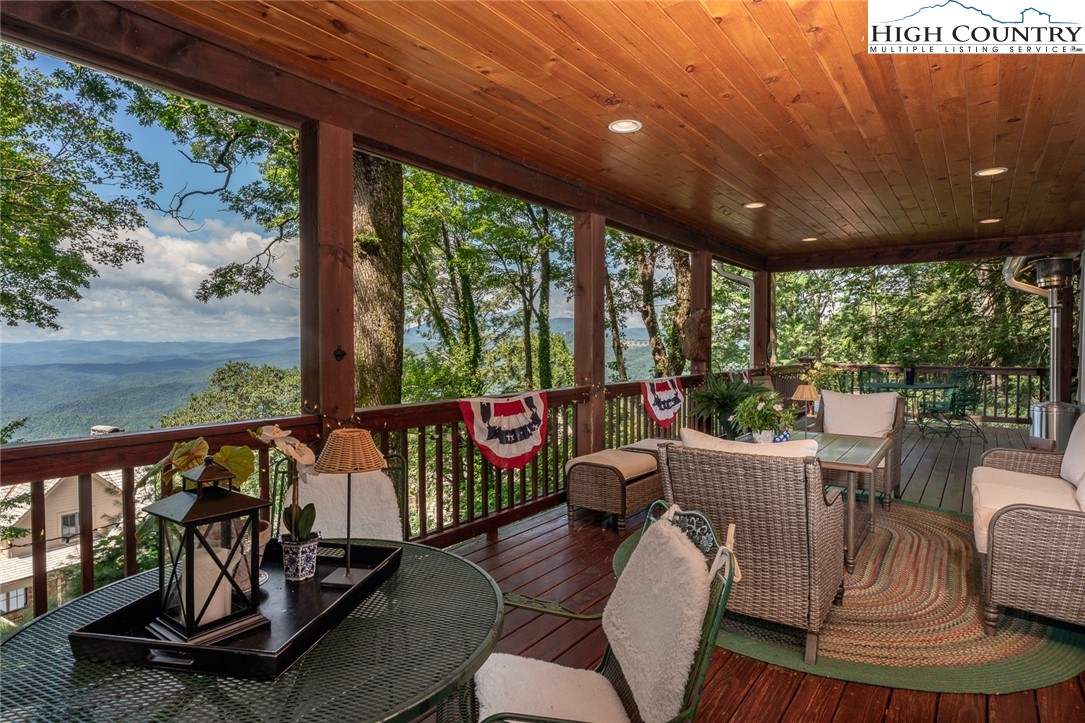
71 186
240 390
12 504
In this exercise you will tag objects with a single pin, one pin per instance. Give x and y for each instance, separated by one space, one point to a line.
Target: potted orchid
299 542
765 417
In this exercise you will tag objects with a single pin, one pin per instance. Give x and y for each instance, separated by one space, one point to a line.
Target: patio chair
789 536
1028 515
871 376
870 415
661 623
954 411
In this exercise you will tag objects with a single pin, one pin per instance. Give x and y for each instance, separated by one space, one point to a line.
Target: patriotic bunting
662 399
509 431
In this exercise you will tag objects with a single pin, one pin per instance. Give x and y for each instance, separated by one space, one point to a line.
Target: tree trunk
615 330
378 280
529 367
646 276
546 373
683 303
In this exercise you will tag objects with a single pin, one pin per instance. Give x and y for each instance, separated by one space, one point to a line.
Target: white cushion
1073 461
793 448
631 465
993 489
511 684
867 415
1081 496
374 508
654 616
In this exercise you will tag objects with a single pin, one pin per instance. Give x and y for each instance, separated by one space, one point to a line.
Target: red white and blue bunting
662 399
509 431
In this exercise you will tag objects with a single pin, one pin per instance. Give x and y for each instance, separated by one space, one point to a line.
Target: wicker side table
613 481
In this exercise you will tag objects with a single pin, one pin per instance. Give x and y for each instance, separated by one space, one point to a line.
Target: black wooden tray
301 613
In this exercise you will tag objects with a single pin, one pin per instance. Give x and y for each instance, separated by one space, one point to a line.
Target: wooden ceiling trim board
422 77
1016 75
862 129
752 87
818 107
1038 245
981 93
1049 91
1069 124
752 130
948 83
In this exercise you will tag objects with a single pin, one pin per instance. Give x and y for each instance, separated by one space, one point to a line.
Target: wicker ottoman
612 481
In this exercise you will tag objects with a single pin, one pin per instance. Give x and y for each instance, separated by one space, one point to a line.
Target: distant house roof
20 568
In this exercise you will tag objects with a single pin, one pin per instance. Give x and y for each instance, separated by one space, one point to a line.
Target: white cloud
155 300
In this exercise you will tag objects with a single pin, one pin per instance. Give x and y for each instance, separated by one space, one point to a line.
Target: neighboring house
61 533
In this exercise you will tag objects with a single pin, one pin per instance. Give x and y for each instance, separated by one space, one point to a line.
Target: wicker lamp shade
805 393
349 450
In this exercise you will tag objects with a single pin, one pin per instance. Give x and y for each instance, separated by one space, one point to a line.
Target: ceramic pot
263 537
781 437
763 437
299 558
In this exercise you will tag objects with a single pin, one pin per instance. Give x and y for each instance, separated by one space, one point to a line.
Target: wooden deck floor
545 556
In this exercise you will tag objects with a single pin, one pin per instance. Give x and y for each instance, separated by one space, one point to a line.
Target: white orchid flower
778 407
270 433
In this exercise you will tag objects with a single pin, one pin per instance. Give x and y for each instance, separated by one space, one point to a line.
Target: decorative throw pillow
1073 461
867 415
794 448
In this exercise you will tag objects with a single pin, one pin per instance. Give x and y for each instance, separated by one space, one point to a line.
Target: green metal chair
699 530
954 412
871 376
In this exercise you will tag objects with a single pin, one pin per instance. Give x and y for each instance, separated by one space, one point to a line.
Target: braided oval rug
912 618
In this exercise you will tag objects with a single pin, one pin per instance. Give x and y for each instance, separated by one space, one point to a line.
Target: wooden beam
1064 365
86 531
327 270
763 320
589 339
37 547
1038 245
148 44
128 519
701 293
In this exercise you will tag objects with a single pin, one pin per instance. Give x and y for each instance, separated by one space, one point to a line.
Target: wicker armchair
887 475
699 530
789 538
1029 522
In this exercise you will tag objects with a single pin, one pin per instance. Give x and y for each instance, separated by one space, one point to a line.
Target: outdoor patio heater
1054 419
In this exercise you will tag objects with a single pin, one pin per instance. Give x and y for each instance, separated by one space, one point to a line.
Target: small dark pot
909 375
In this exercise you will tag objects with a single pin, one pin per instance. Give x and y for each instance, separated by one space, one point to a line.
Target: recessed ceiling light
811 238
626 125
990 220
754 204
992 171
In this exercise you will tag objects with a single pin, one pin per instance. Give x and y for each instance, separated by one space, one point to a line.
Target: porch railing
1008 392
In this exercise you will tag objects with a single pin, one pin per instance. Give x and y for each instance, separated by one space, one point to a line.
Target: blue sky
154 301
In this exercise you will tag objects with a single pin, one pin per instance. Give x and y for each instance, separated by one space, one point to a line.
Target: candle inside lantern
206 573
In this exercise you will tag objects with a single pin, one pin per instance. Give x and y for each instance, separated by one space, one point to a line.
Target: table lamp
805 393
347 451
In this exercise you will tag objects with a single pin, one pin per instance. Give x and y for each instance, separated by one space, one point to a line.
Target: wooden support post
86 531
1066 359
701 293
588 328
763 320
37 548
327 270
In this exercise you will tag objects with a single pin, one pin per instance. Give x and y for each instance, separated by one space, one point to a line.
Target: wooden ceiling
769 101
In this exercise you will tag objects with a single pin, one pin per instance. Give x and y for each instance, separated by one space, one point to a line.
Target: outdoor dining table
413 643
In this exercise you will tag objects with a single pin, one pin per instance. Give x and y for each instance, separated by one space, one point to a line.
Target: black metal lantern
207 559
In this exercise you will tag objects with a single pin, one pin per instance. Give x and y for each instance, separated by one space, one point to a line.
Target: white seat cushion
630 465
793 448
374 508
654 616
993 489
1073 461
867 415
511 684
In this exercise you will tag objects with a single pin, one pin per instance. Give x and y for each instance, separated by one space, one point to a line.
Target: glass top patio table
416 640
911 391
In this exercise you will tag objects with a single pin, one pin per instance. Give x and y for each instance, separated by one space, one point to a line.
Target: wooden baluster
37 547
86 532
439 469
472 504
263 456
457 515
128 512
423 483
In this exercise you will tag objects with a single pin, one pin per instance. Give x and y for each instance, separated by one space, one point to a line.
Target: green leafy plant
240 461
821 376
764 412
718 399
